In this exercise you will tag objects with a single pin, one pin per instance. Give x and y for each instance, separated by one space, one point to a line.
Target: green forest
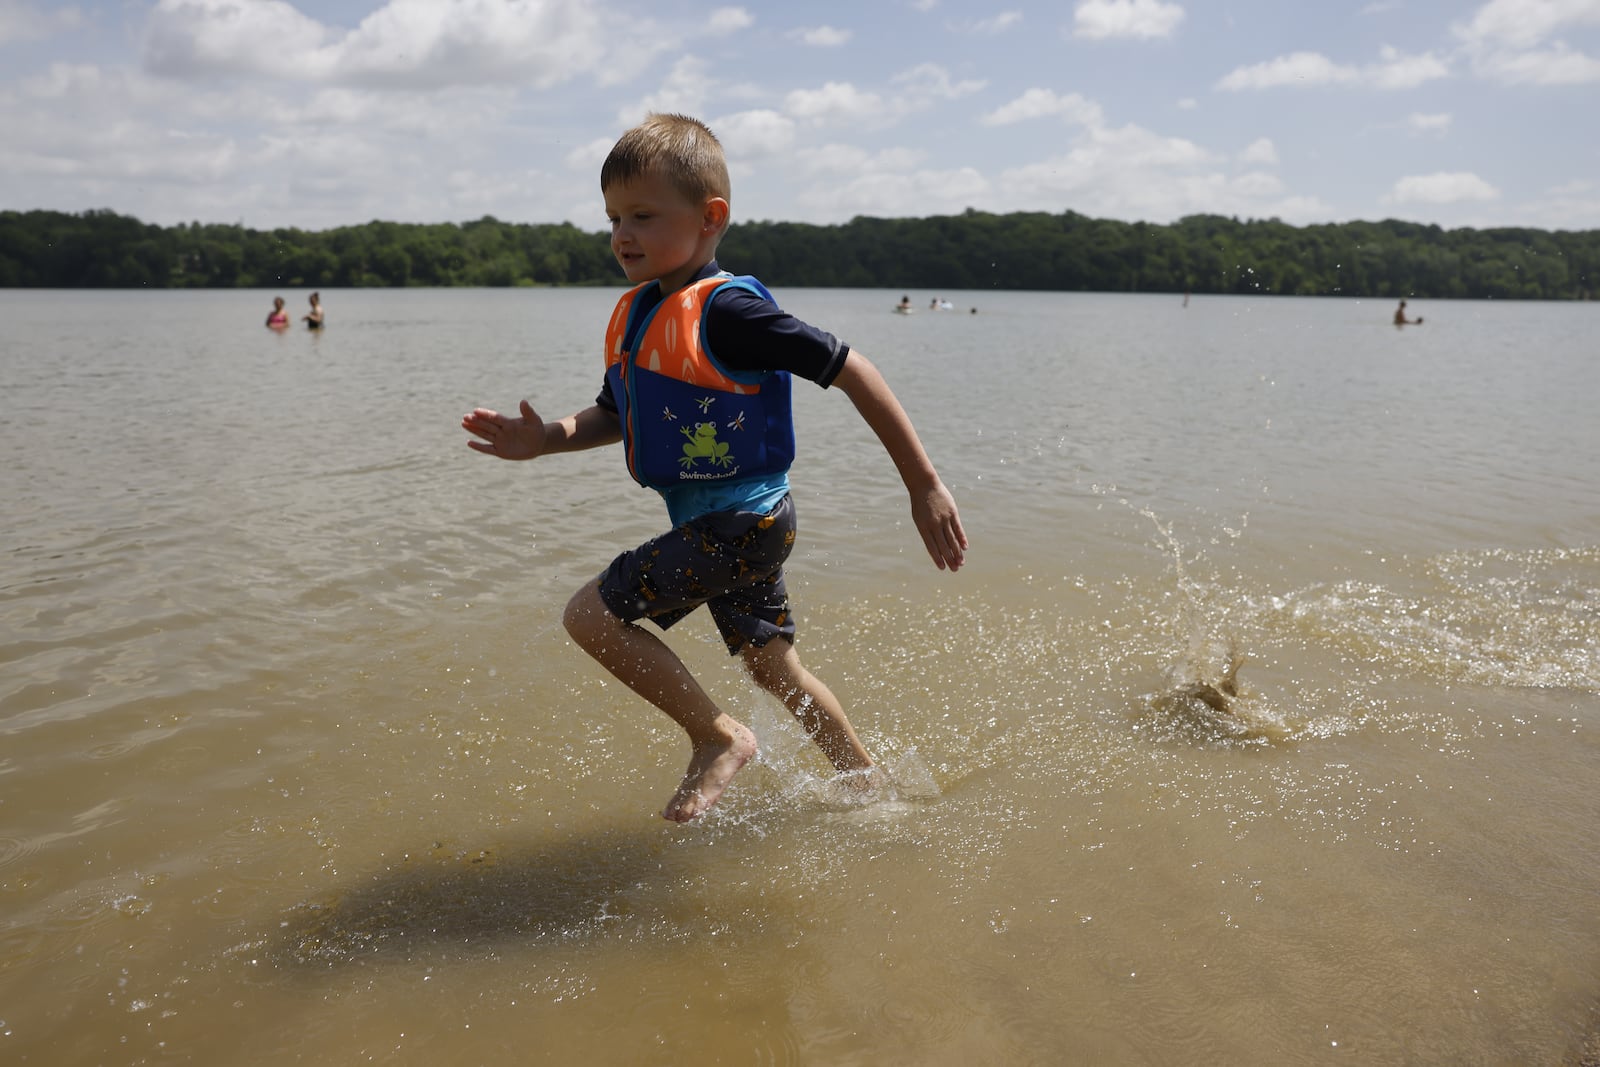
974 250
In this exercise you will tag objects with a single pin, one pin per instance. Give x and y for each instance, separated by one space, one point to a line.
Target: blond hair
678 148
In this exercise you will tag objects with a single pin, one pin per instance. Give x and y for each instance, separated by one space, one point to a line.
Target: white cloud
683 91
835 102
1418 122
1400 71
1102 19
847 180
1100 162
842 104
1137 147
188 38
755 134
1556 65
1133 173
489 192
852 159
928 82
1580 187
1130 172
23 21
725 20
1441 188
517 193
305 157
1525 23
1510 41
425 111
1257 185
992 25
1045 103
590 155
420 43
1261 152
65 80
102 99
429 117
1297 68
1558 206
822 36
348 107
409 44
925 192
1302 69
125 155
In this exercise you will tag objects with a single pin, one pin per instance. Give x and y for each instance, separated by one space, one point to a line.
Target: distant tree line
974 250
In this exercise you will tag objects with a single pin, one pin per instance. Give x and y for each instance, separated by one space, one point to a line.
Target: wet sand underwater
1261 726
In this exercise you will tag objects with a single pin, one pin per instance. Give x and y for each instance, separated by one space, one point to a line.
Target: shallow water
298 764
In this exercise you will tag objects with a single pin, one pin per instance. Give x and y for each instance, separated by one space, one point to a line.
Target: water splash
786 773
1497 617
1202 695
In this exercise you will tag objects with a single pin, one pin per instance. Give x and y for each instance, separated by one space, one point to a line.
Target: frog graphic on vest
658 362
703 444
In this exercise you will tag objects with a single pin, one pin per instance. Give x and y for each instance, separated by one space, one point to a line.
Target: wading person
697 381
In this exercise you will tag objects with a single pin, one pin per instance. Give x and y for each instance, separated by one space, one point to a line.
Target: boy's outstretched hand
934 512
505 436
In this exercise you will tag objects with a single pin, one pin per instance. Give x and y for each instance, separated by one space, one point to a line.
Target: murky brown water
297 765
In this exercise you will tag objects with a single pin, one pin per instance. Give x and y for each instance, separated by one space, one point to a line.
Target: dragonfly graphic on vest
685 417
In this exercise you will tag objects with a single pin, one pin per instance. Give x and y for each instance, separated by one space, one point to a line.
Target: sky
274 113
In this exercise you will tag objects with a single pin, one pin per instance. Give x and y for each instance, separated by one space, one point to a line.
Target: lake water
298 765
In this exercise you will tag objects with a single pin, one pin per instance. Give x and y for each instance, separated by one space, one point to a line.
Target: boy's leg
645 664
776 668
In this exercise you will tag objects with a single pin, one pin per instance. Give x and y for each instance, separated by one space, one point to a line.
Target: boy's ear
714 218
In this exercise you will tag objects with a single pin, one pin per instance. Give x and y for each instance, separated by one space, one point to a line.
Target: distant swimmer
1400 317
277 318
904 307
313 320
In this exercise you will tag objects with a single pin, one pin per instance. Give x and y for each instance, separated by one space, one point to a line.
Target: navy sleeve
747 332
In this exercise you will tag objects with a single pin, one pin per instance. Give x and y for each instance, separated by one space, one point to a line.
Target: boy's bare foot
865 781
711 768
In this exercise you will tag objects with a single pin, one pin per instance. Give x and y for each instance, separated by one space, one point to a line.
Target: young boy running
698 368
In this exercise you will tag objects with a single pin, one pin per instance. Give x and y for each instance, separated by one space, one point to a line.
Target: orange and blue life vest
686 418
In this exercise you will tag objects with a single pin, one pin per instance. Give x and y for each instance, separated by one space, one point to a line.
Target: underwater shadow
470 899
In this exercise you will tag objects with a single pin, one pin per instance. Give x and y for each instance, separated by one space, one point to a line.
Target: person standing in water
277 318
698 366
313 319
1400 317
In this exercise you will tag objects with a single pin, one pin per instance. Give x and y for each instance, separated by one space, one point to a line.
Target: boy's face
657 232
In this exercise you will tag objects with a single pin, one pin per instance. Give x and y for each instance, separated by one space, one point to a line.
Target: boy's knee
759 673
772 666
585 613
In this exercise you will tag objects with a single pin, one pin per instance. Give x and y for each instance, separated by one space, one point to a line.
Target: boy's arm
529 436
933 509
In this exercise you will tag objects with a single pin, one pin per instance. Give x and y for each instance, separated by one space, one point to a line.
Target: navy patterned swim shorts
731 561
